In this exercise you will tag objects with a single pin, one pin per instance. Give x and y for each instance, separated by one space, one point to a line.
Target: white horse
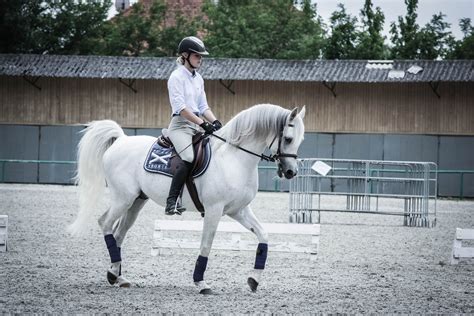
107 157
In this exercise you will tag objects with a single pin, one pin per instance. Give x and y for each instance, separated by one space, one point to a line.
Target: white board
321 168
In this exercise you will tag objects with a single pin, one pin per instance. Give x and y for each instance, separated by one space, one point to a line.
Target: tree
17 20
312 30
370 40
464 49
436 40
262 29
141 31
405 34
134 32
341 43
51 26
170 37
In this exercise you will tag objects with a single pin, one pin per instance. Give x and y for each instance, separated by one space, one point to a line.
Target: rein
272 158
261 156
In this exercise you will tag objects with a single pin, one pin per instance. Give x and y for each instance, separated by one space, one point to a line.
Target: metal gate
365 184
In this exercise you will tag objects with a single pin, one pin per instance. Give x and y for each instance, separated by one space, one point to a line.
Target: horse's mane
256 122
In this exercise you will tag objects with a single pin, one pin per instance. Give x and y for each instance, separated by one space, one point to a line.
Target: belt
195 113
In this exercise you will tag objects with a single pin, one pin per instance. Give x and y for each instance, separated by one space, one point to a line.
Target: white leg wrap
115 268
256 274
114 277
202 287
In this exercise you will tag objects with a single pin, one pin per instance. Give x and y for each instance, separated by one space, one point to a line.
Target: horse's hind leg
247 218
127 220
120 203
120 230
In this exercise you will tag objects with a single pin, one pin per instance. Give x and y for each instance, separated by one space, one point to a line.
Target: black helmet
192 44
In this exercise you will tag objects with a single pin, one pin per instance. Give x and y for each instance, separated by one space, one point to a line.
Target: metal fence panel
154 132
368 183
358 146
456 152
316 145
58 143
19 142
410 148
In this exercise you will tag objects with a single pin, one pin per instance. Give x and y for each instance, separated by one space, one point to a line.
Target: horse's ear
302 112
293 114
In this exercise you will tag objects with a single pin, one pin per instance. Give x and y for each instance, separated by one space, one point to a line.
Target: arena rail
235 243
4 162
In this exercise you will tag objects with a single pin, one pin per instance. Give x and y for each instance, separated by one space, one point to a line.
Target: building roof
66 66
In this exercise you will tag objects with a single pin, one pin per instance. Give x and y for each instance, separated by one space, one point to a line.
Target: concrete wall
59 143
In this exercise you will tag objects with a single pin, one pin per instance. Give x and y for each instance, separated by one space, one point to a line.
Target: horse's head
289 140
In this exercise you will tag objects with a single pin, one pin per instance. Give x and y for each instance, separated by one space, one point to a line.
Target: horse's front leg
247 218
211 221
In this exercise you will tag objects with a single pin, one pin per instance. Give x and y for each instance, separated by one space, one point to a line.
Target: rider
188 105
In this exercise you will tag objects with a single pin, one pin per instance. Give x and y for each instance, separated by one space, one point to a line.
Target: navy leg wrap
114 251
261 256
199 269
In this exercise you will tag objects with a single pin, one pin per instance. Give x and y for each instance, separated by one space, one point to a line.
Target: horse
106 157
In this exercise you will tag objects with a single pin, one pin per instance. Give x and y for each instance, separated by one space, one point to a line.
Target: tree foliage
370 40
341 44
464 49
276 29
51 26
141 32
263 29
134 32
436 40
405 34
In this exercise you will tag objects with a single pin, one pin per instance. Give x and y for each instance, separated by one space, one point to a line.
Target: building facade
383 110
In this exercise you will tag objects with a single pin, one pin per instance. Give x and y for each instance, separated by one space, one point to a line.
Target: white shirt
187 90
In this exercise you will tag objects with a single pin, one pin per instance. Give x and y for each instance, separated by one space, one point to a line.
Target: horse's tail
90 176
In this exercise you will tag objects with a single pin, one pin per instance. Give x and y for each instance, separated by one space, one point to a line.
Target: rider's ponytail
180 60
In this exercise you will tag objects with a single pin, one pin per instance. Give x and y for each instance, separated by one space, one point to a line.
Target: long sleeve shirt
186 89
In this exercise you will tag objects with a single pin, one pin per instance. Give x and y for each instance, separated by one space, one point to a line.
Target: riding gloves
207 127
217 125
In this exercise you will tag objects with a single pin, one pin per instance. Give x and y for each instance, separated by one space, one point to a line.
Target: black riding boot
179 178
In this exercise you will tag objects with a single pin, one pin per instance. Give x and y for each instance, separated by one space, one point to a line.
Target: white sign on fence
321 168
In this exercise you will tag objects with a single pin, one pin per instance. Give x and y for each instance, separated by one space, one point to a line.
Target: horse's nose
289 174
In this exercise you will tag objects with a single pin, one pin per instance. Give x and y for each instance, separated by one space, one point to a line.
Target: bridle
272 158
279 154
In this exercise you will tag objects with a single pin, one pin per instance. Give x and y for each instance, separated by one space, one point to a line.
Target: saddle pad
161 159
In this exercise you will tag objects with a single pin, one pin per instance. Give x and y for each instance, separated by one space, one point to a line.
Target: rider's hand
217 125
207 127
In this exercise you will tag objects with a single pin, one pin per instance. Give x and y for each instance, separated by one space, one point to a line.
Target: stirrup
177 209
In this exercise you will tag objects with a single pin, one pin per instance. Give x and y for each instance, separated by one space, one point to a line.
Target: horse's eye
288 140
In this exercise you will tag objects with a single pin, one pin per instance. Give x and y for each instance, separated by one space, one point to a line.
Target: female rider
189 107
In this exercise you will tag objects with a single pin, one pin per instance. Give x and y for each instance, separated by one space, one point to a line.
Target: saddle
162 158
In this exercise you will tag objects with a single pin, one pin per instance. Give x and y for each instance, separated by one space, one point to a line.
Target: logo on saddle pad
162 157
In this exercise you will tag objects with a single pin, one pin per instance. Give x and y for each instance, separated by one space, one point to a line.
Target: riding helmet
192 44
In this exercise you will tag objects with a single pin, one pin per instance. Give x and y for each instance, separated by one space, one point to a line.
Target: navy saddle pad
163 159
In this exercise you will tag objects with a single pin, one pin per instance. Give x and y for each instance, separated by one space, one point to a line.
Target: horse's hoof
253 284
205 291
122 282
203 288
112 278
